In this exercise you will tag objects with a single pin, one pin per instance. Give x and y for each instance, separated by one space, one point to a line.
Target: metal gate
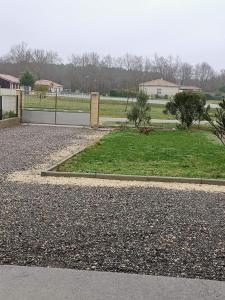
39 108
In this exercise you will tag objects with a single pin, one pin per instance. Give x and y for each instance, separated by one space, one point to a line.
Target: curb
134 177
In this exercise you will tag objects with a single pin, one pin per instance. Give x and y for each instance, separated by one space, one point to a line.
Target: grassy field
162 153
108 108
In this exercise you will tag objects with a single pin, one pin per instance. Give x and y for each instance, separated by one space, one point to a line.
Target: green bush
139 113
9 114
27 79
123 93
187 107
218 122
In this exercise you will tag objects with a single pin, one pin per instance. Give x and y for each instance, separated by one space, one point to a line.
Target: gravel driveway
149 230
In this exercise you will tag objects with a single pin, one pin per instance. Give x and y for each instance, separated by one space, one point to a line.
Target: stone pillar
19 95
94 113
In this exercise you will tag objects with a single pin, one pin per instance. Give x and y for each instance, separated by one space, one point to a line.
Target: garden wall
10 107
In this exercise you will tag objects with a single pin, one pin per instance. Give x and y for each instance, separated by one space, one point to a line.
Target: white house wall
153 90
7 92
8 103
56 89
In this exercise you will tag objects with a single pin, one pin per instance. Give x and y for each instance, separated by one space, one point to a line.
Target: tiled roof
10 78
159 82
47 82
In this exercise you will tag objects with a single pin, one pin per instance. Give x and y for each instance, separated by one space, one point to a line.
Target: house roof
159 82
47 83
10 78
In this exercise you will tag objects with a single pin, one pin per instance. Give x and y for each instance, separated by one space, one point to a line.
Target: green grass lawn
162 153
110 108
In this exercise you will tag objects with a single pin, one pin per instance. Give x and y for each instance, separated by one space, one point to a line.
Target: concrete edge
61 162
135 178
95 141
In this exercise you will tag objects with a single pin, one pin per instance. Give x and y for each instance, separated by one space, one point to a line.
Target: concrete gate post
94 113
19 95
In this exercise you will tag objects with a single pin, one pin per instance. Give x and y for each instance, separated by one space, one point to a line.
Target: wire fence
56 102
112 110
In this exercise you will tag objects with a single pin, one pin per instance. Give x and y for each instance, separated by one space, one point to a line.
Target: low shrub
187 107
139 113
181 127
145 130
123 93
218 122
9 114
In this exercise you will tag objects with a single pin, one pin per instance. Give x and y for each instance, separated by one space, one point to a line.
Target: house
9 82
53 87
159 87
184 88
162 88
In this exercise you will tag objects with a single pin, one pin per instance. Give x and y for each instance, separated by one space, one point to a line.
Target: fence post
19 96
1 108
17 105
94 114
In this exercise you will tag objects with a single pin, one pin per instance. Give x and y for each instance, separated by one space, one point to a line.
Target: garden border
52 173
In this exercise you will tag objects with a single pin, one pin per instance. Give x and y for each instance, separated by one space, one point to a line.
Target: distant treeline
88 72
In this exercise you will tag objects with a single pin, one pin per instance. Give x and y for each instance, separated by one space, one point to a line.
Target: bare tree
203 73
186 73
91 71
107 61
19 54
41 56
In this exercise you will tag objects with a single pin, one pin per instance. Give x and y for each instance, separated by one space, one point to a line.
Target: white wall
153 90
7 92
56 89
8 103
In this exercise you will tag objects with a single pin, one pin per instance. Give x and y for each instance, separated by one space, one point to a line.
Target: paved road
152 101
141 230
25 283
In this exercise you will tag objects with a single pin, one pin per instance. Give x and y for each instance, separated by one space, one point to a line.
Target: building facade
53 87
188 88
9 82
163 88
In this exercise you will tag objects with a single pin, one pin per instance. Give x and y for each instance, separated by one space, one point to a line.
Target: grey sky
192 29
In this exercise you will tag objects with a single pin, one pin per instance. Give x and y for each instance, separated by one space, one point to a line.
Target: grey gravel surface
22 147
135 230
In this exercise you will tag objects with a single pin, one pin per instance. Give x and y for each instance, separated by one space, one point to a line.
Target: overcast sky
192 29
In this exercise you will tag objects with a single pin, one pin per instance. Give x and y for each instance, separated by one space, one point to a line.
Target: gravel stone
133 229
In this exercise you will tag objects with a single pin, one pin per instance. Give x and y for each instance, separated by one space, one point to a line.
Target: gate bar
1 108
